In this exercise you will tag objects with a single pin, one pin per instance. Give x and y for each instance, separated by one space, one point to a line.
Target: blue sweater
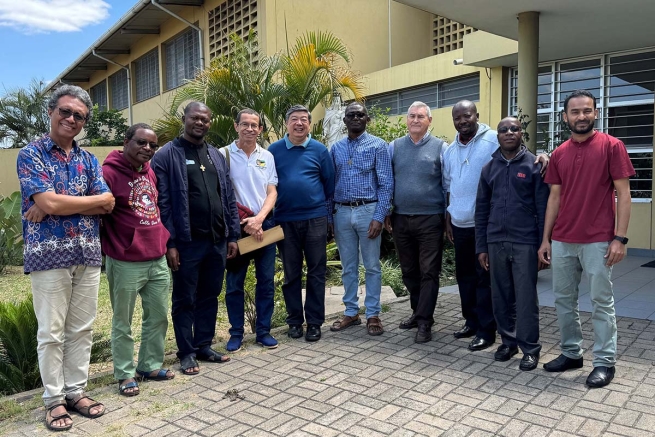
305 183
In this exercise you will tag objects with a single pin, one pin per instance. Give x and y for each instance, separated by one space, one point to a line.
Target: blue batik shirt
363 172
59 241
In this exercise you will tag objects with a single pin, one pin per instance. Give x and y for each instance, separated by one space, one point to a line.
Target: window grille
231 16
146 75
99 95
435 95
182 58
118 88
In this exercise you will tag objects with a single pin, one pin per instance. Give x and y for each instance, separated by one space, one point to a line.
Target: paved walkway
352 384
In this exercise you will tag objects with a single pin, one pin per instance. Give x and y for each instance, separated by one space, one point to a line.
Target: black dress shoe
295 331
563 363
409 323
479 343
313 333
504 352
424 333
465 332
600 377
529 362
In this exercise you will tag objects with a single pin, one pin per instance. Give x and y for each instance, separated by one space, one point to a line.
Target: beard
581 131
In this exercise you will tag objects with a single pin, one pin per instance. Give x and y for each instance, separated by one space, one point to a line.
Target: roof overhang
143 19
567 29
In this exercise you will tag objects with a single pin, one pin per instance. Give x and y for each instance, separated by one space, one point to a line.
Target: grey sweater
417 176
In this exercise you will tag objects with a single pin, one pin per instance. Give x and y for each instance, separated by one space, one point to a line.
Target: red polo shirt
587 171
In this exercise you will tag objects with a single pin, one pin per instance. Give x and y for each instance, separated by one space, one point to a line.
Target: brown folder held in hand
249 244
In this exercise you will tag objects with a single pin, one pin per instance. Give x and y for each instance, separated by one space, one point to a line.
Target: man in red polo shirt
584 173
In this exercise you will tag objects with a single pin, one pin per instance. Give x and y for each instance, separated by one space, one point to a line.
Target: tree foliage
314 67
382 126
105 128
24 114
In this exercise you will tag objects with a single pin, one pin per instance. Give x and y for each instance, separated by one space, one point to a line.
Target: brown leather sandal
374 326
345 322
85 410
50 419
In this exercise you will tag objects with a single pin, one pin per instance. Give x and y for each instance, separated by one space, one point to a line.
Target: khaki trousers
65 303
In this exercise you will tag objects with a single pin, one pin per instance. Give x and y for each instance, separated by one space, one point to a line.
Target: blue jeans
196 286
351 233
264 291
568 262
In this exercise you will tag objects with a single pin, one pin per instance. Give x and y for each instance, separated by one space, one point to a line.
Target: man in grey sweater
417 220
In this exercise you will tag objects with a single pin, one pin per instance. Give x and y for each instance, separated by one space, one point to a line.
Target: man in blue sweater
507 238
303 209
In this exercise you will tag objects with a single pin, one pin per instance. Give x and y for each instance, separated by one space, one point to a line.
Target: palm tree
313 69
24 114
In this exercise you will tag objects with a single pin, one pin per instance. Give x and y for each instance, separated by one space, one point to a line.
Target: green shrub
19 364
11 231
392 276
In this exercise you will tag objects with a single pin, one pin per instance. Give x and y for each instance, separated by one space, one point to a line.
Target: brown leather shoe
345 322
374 326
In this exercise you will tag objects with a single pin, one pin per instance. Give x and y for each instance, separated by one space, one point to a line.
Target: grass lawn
15 286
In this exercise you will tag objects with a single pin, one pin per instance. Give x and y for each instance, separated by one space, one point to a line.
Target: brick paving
351 384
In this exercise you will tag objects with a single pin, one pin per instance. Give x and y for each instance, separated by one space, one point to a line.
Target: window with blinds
435 95
623 84
118 89
146 75
182 56
98 95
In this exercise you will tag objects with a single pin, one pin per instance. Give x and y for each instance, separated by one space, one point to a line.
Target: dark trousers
196 286
513 269
419 244
474 285
304 239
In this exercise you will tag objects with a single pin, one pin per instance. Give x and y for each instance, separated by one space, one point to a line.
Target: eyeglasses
66 113
244 125
356 115
143 143
504 129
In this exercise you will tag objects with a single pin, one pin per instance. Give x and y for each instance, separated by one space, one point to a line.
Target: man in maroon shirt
584 173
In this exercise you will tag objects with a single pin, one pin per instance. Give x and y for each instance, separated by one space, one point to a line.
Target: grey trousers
513 269
568 262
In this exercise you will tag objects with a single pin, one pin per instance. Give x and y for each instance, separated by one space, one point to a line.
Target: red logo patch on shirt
521 175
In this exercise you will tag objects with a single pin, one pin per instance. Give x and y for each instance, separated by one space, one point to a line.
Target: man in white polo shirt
253 176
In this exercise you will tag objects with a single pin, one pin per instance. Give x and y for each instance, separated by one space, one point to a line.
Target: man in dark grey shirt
417 220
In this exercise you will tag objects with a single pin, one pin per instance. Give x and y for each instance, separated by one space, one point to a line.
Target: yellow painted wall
641 223
362 24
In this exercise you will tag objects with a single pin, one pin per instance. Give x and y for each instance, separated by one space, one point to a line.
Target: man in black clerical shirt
198 207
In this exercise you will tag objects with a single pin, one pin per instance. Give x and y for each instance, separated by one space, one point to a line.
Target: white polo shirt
252 175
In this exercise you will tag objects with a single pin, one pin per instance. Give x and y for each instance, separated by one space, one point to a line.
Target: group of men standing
184 208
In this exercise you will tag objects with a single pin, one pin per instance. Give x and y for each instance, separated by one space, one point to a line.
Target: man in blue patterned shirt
362 200
63 193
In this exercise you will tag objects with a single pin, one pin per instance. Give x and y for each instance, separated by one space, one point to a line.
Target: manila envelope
249 244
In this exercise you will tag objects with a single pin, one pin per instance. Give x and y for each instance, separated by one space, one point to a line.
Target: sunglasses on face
356 115
143 143
66 113
504 129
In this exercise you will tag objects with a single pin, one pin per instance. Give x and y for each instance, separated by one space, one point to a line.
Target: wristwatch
623 240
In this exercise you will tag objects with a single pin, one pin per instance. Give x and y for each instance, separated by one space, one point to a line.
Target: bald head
508 120
465 105
196 106
465 119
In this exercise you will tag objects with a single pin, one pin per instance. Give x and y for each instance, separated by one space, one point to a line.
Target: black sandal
187 363
48 423
213 357
162 375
